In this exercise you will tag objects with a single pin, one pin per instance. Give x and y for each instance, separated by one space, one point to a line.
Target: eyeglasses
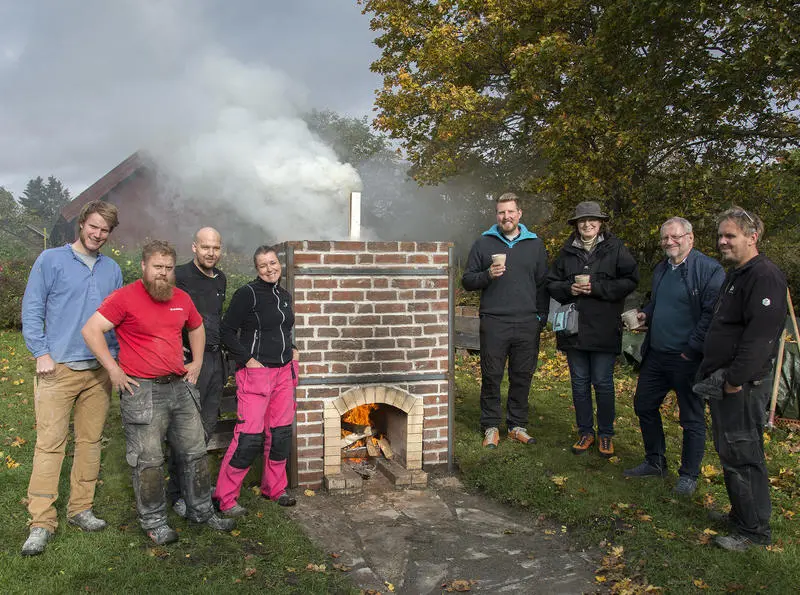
665 239
746 214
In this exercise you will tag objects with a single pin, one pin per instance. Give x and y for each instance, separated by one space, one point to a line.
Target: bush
13 278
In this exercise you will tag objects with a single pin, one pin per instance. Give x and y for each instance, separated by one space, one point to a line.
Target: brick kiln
373 326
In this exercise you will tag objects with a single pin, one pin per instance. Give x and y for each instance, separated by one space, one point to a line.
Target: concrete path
421 541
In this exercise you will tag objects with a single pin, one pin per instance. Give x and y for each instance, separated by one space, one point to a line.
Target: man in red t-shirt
158 398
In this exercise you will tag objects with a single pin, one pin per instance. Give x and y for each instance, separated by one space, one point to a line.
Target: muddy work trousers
85 394
155 412
737 424
265 413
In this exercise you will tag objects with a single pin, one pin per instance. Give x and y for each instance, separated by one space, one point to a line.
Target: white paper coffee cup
499 259
631 320
583 279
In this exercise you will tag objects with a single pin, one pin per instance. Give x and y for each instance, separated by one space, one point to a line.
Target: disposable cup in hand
631 320
499 259
583 279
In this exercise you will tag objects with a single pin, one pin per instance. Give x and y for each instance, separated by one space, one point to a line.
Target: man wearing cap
65 287
741 343
684 290
158 398
508 264
206 285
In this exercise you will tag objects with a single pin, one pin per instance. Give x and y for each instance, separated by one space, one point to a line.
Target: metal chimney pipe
355 215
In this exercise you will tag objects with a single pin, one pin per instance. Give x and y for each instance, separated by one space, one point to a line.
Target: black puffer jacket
615 274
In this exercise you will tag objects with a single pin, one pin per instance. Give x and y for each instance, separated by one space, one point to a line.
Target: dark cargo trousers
518 342
738 427
210 383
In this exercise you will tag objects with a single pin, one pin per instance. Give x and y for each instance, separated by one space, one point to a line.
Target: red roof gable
103 186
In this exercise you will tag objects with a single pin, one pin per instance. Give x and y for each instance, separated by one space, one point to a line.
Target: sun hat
587 208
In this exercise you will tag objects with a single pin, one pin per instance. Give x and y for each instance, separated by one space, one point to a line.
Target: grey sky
83 83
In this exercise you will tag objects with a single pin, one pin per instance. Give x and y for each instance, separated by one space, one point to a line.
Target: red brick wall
368 324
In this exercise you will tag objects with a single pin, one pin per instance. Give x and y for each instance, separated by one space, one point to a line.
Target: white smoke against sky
92 81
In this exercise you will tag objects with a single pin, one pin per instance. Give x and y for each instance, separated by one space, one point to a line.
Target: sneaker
685 486
521 435
36 542
86 521
606 447
645 469
179 506
219 524
234 511
723 518
491 437
583 444
734 542
162 534
286 500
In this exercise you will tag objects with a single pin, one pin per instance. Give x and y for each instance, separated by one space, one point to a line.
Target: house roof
103 186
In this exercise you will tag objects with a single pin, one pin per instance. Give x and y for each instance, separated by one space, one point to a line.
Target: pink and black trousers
265 412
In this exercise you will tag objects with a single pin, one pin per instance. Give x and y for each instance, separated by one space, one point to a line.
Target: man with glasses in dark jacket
741 344
685 287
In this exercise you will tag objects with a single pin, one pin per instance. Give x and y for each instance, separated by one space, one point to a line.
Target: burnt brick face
368 324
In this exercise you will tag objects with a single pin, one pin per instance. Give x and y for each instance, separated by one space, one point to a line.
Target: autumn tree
44 200
655 107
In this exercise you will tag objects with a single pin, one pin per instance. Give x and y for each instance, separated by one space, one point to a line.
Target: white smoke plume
91 81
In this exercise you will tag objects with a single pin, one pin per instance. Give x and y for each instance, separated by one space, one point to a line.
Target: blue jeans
661 372
587 369
149 415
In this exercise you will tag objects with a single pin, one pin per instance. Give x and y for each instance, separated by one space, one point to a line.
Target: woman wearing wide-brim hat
593 250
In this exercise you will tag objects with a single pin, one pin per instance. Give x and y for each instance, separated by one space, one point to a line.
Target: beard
159 289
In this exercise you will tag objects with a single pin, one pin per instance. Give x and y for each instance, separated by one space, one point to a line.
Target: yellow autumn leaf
389 586
559 480
599 578
617 551
709 532
699 583
309 493
236 532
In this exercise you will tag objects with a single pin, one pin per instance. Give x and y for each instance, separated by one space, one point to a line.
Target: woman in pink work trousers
257 330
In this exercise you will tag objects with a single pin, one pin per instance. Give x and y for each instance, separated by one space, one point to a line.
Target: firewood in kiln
351 438
386 448
372 448
355 428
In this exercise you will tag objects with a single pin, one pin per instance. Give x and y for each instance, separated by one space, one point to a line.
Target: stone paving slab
420 539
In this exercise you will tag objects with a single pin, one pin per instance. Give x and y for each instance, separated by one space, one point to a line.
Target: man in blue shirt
65 287
685 287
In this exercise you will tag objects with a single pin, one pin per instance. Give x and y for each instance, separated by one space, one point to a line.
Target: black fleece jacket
748 320
208 295
614 274
259 323
521 292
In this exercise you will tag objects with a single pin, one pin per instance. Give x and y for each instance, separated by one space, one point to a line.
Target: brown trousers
56 396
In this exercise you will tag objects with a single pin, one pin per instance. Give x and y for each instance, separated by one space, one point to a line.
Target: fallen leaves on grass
559 480
699 583
709 472
611 573
342 567
705 536
11 463
316 567
775 548
18 442
249 572
389 586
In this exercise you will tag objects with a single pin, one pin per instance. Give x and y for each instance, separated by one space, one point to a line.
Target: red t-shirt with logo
149 332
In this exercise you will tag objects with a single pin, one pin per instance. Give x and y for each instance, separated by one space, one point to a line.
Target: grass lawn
266 553
652 537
